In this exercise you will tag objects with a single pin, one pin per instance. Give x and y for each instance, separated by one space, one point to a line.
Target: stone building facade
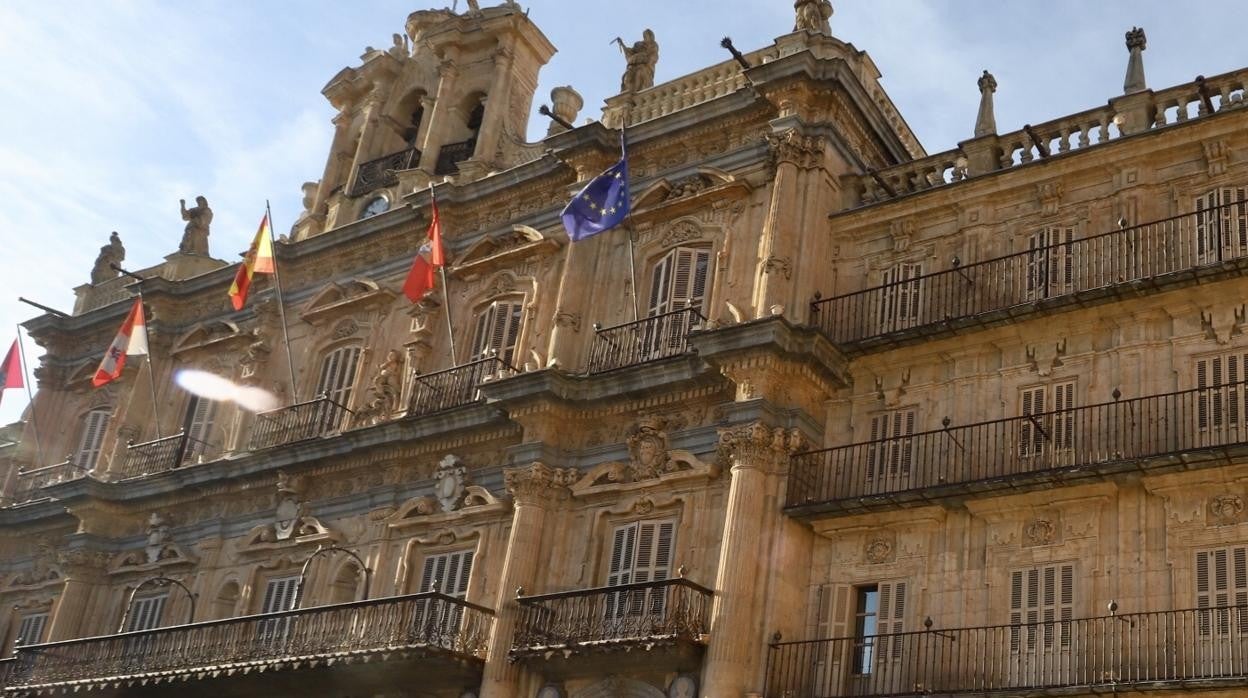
889 422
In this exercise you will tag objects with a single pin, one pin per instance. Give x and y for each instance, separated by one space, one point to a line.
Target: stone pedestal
1134 112
983 155
179 266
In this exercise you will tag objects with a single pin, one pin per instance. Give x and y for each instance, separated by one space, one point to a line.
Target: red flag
131 340
428 260
11 369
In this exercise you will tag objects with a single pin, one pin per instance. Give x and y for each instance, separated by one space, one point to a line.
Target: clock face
378 205
683 687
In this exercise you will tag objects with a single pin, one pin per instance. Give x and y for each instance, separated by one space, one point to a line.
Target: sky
113 110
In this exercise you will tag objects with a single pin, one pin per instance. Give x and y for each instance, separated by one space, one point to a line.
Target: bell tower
438 103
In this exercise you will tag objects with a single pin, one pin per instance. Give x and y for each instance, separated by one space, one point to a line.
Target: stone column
77 607
495 106
757 454
793 154
368 134
435 135
338 159
536 490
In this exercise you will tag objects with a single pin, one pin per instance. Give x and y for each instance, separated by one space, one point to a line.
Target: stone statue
474 8
385 385
813 15
112 253
399 48
198 218
641 59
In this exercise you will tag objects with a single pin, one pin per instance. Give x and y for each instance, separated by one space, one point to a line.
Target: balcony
1188 649
424 639
453 387
1187 429
30 483
380 172
160 455
668 619
452 154
300 422
1183 250
645 340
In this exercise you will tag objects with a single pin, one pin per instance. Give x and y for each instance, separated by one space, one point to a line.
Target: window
1222 401
202 417
1222 581
337 377
1040 597
1050 263
679 281
1221 224
279 595
94 425
145 613
498 331
900 297
447 573
640 552
30 630
1050 424
878 614
891 450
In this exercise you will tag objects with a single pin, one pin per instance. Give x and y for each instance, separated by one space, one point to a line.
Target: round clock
683 687
379 204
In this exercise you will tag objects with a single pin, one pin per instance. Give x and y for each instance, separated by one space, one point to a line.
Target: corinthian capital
539 484
792 146
757 445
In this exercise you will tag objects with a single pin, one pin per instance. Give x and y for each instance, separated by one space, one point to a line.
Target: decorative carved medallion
1225 509
1039 531
451 478
879 547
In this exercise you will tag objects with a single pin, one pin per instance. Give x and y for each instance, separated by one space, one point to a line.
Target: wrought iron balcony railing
644 340
672 610
300 422
159 455
380 172
452 387
429 623
1172 251
1194 647
451 154
1145 432
30 483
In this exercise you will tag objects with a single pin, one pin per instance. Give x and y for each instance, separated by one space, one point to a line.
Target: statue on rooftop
641 59
110 254
474 8
813 15
198 218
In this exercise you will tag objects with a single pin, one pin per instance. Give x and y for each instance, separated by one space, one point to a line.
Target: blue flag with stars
602 204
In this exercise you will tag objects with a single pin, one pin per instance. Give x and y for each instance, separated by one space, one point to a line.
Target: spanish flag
258 260
131 340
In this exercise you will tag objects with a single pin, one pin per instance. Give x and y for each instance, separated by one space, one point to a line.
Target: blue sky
115 109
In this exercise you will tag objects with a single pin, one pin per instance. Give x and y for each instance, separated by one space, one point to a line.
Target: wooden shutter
449 572
679 280
1222 403
146 612
498 331
1221 580
891 453
30 630
891 620
203 415
1041 595
279 595
900 297
94 425
1031 435
1063 424
641 552
623 551
1050 262
337 377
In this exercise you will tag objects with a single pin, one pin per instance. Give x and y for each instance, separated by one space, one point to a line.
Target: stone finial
812 15
986 120
566 103
1136 42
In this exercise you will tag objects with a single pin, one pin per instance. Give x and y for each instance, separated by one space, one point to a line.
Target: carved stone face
648 451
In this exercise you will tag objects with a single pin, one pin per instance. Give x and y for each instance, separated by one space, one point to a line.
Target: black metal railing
159 455
452 387
451 154
428 620
1136 650
643 340
380 172
29 484
1158 252
299 422
1043 447
670 609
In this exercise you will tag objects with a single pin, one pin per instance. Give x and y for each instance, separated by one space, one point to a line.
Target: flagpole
151 369
632 233
446 291
281 307
34 421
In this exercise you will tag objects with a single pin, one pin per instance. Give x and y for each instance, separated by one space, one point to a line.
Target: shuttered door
498 331
891 451
146 613
337 377
680 280
94 425
1222 403
833 614
447 573
30 631
1063 429
1221 224
641 552
1031 431
891 622
279 595
1221 581
203 420
1042 602
1050 263
900 297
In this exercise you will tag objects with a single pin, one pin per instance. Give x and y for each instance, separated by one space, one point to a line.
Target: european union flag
602 204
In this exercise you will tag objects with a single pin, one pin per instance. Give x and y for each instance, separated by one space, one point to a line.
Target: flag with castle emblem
258 260
602 204
131 340
11 369
429 259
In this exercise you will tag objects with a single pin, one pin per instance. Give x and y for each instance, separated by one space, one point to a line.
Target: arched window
337 377
475 117
498 330
94 424
679 280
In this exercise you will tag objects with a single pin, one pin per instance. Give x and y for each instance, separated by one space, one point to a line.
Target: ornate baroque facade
890 422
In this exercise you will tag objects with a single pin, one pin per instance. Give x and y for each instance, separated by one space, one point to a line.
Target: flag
131 340
428 260
11 369
258 260
602 204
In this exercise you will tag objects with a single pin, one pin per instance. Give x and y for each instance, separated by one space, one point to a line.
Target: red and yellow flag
429 259
258 260
131 340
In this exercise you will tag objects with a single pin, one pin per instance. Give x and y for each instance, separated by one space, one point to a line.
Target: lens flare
213 387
